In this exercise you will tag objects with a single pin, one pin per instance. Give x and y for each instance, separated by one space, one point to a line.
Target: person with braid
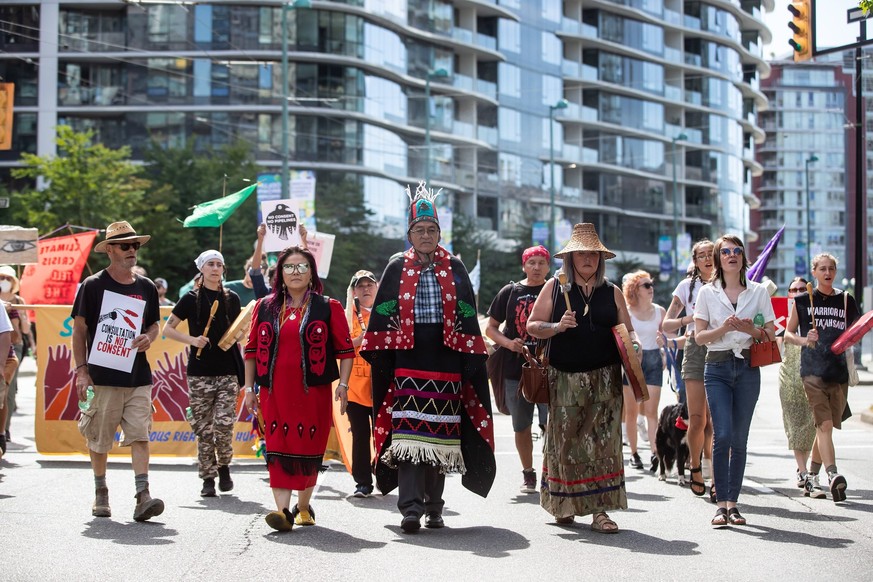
213 374
699 422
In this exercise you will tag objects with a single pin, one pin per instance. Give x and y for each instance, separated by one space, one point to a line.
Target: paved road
50 534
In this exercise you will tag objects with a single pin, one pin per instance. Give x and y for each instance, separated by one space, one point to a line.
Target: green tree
497 267
86 184
183 178
866 5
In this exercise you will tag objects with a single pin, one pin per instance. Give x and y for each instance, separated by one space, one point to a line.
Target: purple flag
756 271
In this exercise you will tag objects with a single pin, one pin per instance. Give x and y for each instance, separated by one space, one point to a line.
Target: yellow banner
57 406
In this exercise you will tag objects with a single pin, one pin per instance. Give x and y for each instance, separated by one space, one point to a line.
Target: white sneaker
641 429
812 488
800 478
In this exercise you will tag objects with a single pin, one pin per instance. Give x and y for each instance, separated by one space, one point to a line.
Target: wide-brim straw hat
119 232
585 238
10 272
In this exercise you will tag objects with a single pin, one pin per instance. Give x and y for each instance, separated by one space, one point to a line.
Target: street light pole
562 104
811 159
676 274
285 172
435 74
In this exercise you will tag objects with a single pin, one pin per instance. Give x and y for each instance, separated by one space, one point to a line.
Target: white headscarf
207 256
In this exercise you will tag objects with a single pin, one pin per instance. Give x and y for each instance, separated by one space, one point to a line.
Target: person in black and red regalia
296 338
432 409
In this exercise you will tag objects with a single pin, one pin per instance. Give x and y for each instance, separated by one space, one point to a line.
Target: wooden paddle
811 311
212 311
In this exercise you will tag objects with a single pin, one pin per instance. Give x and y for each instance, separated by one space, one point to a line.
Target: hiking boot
101 503
146 507
208 488
225 483
800 479
837 486
812 488
363 491
635 461
529 485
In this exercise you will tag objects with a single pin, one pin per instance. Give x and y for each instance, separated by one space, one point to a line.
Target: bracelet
342 385
248 389
81 366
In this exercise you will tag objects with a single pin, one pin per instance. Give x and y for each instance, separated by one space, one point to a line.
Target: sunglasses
301 269
127 246
798 290
737 251
648 285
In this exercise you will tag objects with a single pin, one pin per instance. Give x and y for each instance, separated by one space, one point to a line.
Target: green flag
215 212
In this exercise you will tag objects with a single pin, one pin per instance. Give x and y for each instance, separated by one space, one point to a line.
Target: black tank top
589 345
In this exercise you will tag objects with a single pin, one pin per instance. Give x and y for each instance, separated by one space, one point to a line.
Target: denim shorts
653 368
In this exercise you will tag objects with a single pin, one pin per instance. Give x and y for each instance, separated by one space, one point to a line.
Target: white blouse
714 307
681 293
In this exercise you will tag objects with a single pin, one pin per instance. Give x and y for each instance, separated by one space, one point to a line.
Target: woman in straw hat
582 465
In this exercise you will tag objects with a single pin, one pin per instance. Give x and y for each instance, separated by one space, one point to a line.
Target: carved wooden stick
212 311
811 310
562 279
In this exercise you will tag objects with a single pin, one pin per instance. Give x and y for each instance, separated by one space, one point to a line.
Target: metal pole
285 174
552 179
427 128
676 277
808 221
860 181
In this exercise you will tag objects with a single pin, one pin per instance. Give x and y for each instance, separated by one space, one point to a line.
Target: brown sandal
735 518
603 524
720 519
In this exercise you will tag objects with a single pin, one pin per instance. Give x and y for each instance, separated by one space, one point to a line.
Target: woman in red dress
297 335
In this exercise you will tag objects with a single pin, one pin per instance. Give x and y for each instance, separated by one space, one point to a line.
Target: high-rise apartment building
809 162
659 124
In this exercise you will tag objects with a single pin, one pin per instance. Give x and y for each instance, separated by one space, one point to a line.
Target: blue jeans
732 390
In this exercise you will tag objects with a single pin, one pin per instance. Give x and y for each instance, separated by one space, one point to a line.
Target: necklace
585 300
295 312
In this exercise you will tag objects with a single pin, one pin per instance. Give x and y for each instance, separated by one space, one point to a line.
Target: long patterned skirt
796 412
583 468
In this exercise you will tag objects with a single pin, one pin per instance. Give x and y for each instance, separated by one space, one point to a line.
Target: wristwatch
343 385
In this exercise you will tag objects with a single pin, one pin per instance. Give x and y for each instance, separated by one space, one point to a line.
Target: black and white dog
671 441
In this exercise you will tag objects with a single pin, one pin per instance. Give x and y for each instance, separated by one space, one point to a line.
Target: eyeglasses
797 290
290 268
736 251
127 246
425 231
648 285
706 256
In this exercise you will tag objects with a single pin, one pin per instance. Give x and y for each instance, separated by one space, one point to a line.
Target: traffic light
801 26
7 93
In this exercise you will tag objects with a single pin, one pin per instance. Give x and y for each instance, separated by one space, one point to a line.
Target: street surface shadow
228 503
525 499
148 533
323 539
483 541
647 497
802 516
787 536
628 539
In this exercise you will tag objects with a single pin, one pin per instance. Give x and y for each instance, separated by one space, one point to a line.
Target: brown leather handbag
534 383
764 353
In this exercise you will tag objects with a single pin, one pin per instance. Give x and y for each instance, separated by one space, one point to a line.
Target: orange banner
53 280
57 406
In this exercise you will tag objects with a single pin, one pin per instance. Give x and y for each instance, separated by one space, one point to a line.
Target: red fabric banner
53 280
